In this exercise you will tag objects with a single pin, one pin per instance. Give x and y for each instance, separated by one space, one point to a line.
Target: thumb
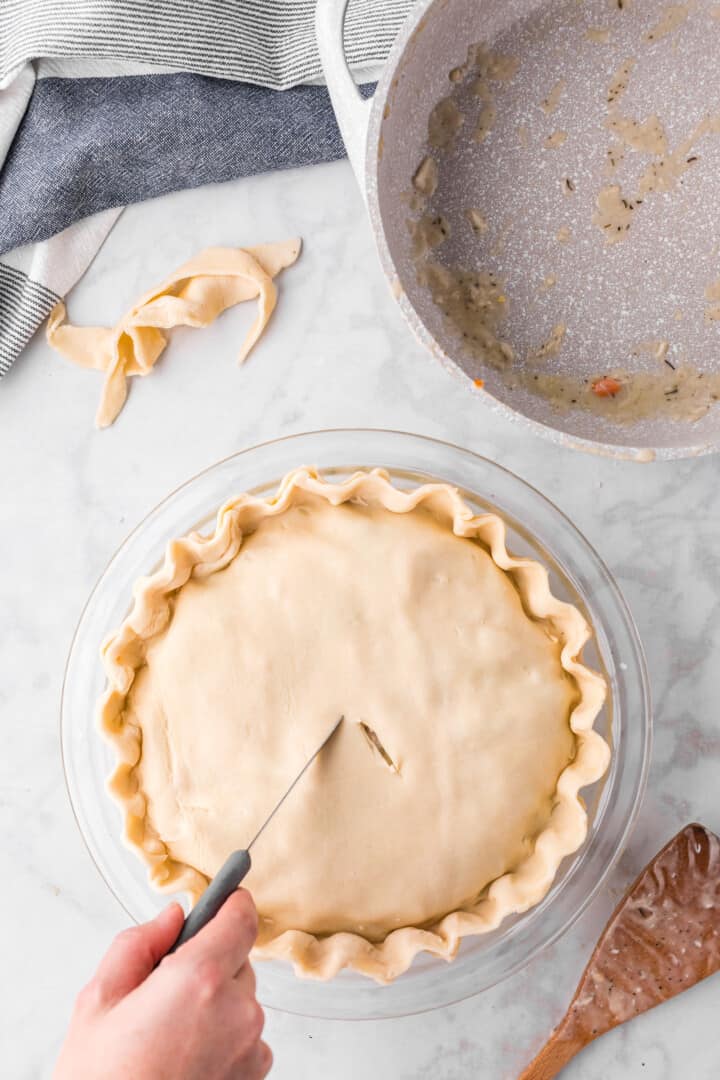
135 953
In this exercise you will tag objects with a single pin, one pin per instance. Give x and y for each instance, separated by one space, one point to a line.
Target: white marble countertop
337 354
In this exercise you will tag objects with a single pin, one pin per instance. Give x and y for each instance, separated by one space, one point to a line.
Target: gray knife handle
223 885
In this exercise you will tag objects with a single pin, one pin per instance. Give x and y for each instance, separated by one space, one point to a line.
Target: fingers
228 938
255 1065
245 980
240 1017
265 1060
133 955
261 1063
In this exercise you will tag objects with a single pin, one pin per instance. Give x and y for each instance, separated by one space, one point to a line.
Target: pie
449 794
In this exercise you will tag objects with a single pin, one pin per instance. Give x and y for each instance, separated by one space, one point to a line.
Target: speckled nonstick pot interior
642 304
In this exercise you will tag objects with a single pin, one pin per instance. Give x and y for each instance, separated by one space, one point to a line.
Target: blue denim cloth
89 144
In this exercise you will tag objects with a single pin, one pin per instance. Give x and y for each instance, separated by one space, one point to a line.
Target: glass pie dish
535 528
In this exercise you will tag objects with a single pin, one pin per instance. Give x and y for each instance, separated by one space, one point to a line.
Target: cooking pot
641 304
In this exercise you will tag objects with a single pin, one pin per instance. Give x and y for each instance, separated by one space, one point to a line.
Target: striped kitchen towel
109 102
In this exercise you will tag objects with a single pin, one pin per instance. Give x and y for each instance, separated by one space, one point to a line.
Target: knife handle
223 885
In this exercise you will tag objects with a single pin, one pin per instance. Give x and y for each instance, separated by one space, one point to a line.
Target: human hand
194 1017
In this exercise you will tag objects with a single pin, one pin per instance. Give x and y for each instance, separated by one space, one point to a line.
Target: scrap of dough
193 295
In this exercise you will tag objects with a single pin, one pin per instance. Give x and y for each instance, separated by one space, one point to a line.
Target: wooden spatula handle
643 956
554 1056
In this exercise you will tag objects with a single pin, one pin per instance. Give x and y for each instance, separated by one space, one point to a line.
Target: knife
236 866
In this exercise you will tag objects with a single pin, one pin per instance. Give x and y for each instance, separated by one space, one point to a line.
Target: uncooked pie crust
449 795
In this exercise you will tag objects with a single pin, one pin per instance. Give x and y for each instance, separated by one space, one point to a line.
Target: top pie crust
404 612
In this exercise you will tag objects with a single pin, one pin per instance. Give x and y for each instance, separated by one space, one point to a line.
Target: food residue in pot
428 233
556 140
486 122
624 396
477 220
606 387
552 346
444 123
474 304
614 157
620 80
645 158
659 350
614 213
673 17
425 179
647 137
551 102
598 34
712 295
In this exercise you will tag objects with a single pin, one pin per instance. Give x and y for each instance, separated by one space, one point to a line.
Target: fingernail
168 914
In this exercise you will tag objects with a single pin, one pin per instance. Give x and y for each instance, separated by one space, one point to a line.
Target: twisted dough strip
200 556
193 295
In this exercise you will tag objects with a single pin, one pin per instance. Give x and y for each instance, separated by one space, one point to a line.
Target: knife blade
237 865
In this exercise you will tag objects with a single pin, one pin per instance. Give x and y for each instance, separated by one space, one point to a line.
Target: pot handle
351 109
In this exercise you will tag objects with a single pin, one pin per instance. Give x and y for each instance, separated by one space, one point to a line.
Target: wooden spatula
662 939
